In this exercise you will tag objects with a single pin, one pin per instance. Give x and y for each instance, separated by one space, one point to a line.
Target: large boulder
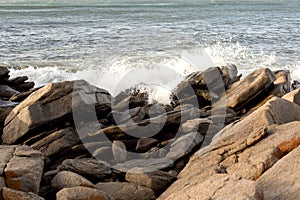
293 96
5 108
11 194
249 91
282 180
50 105
82 193
4 74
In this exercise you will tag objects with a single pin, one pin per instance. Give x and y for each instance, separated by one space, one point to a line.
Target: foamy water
118 44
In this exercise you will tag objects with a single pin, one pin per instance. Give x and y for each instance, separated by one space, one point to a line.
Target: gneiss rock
90 168
152 178
247 92
66 179
282 180
82 193
293 96
24 171
126 191
11 194
50 105
221 186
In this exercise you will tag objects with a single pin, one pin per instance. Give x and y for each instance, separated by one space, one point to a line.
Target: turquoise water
61 40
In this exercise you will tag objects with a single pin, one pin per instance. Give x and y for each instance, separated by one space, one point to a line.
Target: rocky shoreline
221 137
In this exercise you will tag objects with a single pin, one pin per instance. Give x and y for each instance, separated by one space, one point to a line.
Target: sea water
153 43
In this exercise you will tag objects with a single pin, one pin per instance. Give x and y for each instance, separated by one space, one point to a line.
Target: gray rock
281 182
88 167
4 74
184 145
125 191
199 124
152 178
7 92
11 194
82 193
119 151
6 153
66 179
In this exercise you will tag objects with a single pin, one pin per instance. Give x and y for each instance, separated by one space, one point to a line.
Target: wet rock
4 74
90 168
11 194
66 179
7 92
282 83
22 95
82 193
125 191
152 178
24 171
293 96
282 180
247 92
5 108
51 105
221 186
184 145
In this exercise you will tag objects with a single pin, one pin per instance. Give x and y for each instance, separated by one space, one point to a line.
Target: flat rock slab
281 182
125 191
82 193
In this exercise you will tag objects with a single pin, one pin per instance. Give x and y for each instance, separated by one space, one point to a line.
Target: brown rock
82 193
282 83
90 168
6 153
24 171
221 186
22 95
125 191
282 180
7 92
11 194
145 144
50 105
4 74
66 179
293 96
152 178
246 92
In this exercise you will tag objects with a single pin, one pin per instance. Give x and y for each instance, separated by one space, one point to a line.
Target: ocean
153 44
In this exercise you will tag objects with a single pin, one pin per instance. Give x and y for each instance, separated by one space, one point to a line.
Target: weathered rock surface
50 105
82 193
152 178
7 92
282 180
126 191
24 170
11 194
66 179
4 74
119 151
245 92
293 96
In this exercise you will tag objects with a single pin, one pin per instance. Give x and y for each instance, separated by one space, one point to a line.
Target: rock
125 191
132 101
24 86
90 168
22 95
24 171
153 153
154 179
248 91
17 80
295 85
66 179
11 194
104 153
282 180
7 92
6 153
145 144
4 74
293 96
82 193
221 186
200 125
282 83
51 105
5 108
184 145
153 163
119 151
57 142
